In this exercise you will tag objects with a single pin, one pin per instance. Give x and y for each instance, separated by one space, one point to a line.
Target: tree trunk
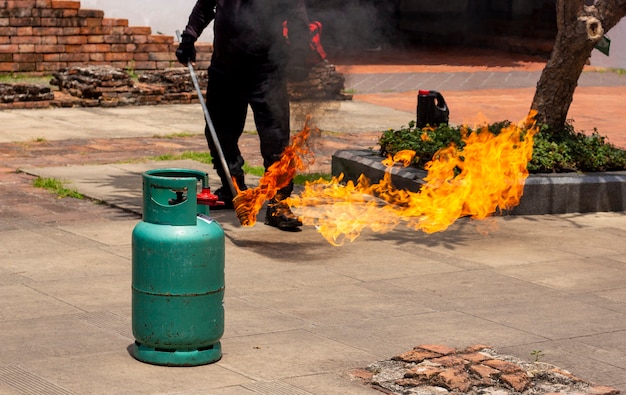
579 29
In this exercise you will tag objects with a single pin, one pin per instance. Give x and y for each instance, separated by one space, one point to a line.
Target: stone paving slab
300 314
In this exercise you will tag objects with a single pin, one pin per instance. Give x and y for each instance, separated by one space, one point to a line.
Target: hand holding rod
209 123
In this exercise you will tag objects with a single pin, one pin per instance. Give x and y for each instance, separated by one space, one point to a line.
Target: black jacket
249 33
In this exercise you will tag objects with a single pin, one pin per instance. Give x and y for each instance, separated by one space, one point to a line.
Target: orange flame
277 176
486 175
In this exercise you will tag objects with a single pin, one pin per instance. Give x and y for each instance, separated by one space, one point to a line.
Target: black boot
279 215
225 195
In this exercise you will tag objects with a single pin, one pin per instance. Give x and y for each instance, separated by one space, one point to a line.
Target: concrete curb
543 194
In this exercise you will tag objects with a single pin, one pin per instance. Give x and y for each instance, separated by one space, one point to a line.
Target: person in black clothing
250 65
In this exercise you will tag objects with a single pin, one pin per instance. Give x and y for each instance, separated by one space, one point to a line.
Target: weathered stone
415 356
502 366
475 348
474 357
438 348
449 360
603 390
22 92
519 381
455 379
486 373
424 373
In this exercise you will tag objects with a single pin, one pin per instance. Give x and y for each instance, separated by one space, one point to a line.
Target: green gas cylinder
177 273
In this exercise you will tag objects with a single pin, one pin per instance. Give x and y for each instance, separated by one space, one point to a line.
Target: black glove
186 51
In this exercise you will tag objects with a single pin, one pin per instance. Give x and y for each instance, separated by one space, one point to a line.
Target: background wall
163 16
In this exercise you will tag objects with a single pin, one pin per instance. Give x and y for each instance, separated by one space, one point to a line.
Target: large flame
486 175
295 157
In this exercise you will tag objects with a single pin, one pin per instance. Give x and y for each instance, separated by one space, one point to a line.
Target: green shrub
552 152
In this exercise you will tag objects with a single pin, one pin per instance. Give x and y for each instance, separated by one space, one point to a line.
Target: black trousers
229 93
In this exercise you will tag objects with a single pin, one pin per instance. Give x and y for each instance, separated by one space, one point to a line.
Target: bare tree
580 27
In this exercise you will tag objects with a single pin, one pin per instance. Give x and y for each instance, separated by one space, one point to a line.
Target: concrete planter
543 194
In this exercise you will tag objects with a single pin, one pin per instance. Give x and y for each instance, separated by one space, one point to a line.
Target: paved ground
300 314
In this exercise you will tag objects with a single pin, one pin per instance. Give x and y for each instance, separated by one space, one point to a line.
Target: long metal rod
209 122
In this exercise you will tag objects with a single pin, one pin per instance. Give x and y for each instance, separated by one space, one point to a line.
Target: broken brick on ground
438 370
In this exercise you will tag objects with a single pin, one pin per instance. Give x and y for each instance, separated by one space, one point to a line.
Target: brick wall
43 36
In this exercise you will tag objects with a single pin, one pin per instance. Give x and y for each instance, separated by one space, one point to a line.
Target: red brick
17 22
51 57
89 22
71 31
140 39
474 357
91 30
425 373
74 57
415 356
138 30
49 48
115 22
91 14
362 374
158 39
162 56
438 348
27 57
118 56
96 48
503 366
449 360
51 66
603 390
23 48
73 40
70 14
49 40
47 13
519 381
25 31
8 66
26 40
43 3
21 10
65 4
47 31
25 67
96 57
10 49
61 22
402 383
4 23
118 48
10 4
95 39
116 39
141 56
152 48
455 379
8 31
484 372
6 57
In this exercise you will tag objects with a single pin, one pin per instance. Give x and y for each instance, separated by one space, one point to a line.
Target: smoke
357 25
